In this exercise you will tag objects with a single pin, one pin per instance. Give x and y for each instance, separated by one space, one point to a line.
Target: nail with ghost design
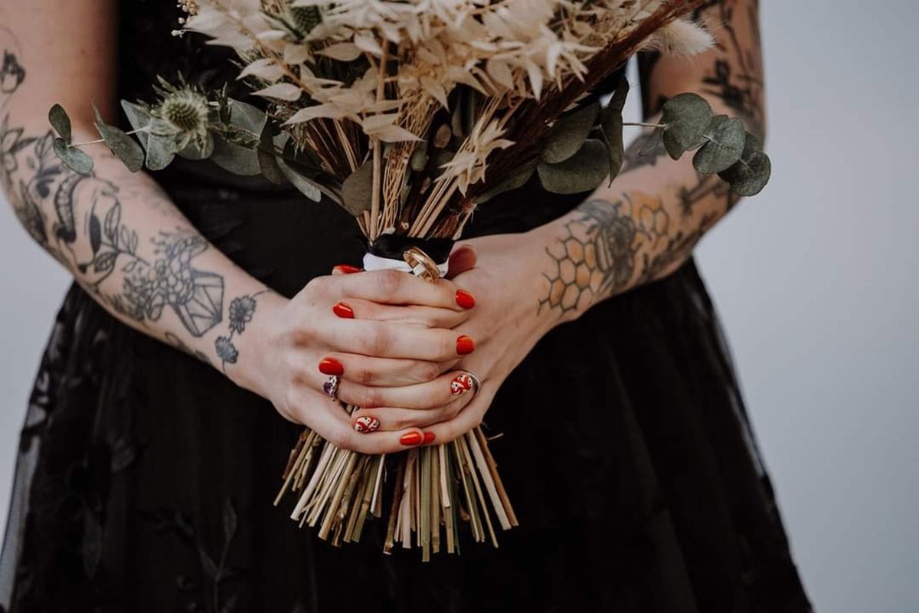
461 384
465 345
331 366
366 423
343 310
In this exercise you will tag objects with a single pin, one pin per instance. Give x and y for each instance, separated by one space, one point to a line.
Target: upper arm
730 75
62 52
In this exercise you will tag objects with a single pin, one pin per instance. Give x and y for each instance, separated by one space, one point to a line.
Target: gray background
815 280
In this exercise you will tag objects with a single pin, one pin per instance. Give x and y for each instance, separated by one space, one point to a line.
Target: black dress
145 479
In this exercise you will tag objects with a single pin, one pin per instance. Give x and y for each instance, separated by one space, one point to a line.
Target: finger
467 419
441 391
387 419
380 372
424 316
384 339
462 259
396 287
332 423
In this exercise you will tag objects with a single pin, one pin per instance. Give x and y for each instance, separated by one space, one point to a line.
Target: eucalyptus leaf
301 182
60 121
617 101
160 152
247 117
194 152
653 144
749 175
611 127
726 138
73 158
139 119
357 189
568 134
582 172
233 156
512 181
686 118
267 161
121 145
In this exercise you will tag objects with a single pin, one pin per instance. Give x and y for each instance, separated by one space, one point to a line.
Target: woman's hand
346 325
503 273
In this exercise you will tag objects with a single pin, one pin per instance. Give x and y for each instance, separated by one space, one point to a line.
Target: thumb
462 259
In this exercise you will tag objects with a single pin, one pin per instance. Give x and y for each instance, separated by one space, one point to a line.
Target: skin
399 351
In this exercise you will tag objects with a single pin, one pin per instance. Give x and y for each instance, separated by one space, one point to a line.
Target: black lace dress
145 480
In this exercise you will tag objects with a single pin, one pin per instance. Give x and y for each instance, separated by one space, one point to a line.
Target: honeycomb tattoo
596 256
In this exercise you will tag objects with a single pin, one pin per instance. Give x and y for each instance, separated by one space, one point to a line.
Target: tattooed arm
119 235
647 223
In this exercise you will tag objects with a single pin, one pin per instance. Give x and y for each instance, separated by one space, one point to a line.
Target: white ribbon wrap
375 262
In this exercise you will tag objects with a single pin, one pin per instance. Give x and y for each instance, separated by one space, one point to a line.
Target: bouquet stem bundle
434 485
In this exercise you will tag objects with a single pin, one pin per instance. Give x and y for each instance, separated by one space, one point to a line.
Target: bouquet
409 114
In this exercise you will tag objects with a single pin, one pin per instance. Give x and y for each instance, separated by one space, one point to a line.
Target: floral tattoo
242 308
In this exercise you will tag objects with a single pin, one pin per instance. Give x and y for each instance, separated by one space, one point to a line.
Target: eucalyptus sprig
185 122
722 143
585 147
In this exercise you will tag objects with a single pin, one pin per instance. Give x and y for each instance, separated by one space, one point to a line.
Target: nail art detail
347 269
461 384
465 299
465 345
412 438
331 366
428 437
343 310
367 424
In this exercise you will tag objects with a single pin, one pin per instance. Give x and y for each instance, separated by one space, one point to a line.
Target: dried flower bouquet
403 112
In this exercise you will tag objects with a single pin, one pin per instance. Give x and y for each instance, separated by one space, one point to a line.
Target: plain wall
815 280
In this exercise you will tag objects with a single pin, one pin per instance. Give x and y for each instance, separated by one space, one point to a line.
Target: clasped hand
400 347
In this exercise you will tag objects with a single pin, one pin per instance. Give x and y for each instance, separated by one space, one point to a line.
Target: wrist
251 346
563 288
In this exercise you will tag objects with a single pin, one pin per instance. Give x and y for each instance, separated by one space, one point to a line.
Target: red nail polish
366 424
465 345
343 310
331 366
465 299
412 438
347 269
428 437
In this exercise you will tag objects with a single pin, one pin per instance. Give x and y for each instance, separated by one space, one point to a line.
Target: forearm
648 221
128 246
638 230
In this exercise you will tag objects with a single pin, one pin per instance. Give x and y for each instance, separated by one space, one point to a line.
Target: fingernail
428 437
465 299
461 384
331 366
343 310
412 438
347 269
464 345
366 424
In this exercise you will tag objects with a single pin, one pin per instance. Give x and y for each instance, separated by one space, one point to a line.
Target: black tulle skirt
145 479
